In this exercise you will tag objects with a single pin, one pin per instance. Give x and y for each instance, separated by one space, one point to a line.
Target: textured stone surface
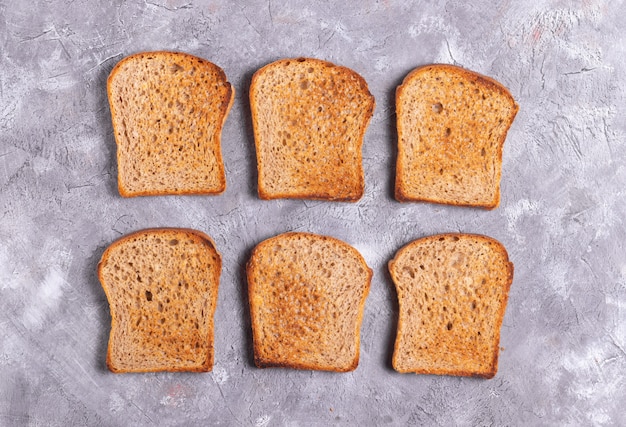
561 215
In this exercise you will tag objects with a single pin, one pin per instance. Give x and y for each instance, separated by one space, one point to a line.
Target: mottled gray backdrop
561 216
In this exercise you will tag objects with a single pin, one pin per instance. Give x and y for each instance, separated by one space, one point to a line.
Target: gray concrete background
561 215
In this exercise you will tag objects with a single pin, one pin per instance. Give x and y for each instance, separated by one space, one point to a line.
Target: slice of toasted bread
452 291
452 124
309 118
307 294
162 286
168 110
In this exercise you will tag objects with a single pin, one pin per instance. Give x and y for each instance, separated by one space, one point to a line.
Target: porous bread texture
307 294
452 124
162 287
452 292
168 110
309 119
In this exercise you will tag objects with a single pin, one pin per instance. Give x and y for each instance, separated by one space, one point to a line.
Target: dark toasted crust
402 197
264 195
491 372
401 193
251 267
208 364
342 188
224 109
262 363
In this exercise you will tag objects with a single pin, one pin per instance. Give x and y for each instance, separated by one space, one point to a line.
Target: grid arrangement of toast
306 291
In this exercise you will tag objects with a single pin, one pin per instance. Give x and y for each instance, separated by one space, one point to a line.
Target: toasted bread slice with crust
453 291
168 110
451 124
309 118
162 287
307 294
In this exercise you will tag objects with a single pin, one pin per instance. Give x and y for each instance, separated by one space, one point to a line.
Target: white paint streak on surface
547 30
622 270
450 49
262 421
519 210
116 403
169 401
44 299
431 24
8 270
175 396
606 219
370 253
220 375
382 63
558 275
589 382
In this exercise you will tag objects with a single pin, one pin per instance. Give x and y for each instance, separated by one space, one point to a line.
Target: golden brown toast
451 124
162 286
168 110
452 290
309 118
307 294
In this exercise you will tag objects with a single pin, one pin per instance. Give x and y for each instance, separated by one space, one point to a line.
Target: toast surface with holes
452 292
162 287
307 293
168 110
452 124
309 118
